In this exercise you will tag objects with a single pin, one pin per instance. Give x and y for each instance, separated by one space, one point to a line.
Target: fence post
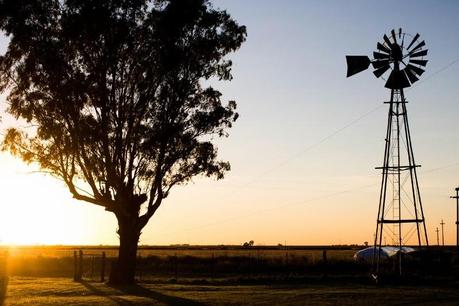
287 267
93 258
176 267
139 264
212 271
3 276
80 265
258 262
324 256
251 263
102 268
75 266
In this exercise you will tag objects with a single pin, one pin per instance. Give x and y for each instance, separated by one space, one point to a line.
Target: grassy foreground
60 291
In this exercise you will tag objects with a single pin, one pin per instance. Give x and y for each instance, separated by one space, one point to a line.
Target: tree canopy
115 91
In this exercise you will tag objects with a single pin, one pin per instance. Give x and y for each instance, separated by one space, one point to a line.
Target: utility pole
438 240
442 233
457 217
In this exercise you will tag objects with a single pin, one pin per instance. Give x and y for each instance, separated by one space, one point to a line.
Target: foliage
115 91
248 244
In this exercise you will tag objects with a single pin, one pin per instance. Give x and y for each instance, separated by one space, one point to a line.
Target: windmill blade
387 40
416 70
397 80
399 32
378 55
421 44
420 53
409 73
419 62
394 36
356 64
380 71
380 63
413 41
382 48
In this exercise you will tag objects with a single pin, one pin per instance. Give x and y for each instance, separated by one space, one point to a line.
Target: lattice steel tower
400 213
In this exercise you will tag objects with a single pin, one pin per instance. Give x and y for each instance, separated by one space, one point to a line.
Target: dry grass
58 261
312 253
60 291
229 290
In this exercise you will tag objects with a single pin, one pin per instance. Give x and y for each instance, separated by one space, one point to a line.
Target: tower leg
382 194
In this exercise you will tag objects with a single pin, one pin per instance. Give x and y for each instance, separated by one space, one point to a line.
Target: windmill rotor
400 65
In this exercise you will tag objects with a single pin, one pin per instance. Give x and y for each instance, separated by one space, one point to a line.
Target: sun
37 209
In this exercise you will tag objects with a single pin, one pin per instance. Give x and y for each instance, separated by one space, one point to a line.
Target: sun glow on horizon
37 209
302 152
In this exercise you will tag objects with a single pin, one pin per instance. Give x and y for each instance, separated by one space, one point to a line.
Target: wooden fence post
75 266
286 264
258 262
102 269
3 276
176 267
93 258
139 264
324 256
80 265
212 271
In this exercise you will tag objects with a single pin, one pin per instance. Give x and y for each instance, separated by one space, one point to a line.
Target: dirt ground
61 291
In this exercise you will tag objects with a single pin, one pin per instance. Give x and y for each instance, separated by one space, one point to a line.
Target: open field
205 262
217 276
337 252
60 291
176 261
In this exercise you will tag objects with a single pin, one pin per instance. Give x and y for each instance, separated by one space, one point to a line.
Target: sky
304 150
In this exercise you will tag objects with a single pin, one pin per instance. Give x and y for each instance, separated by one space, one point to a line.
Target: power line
316 144
325 196
334 133
447 66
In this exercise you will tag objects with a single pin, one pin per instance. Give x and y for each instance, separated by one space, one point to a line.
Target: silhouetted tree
115 91
248 244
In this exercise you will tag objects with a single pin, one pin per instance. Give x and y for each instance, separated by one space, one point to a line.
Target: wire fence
169 264
253 263
90 266
95 266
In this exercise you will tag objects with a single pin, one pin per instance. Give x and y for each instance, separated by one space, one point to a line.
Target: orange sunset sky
304 149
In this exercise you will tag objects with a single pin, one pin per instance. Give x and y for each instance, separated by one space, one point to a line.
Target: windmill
400 61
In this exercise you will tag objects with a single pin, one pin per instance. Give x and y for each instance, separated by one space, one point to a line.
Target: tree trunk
123 270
